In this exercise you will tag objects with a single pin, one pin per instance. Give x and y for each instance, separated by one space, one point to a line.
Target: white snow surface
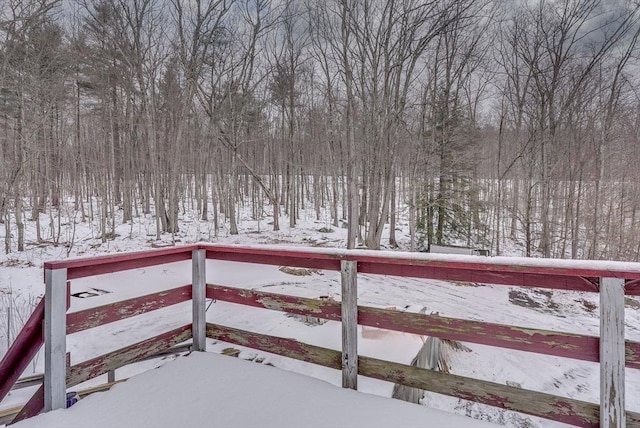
209 390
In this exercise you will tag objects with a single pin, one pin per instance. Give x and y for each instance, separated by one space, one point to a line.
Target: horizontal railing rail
559 344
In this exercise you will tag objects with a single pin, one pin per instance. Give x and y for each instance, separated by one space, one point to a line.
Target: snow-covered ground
21 275
206 390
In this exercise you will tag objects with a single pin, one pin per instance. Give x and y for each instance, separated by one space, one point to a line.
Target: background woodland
480 122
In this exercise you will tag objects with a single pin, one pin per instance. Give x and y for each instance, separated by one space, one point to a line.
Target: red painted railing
565 275
22 351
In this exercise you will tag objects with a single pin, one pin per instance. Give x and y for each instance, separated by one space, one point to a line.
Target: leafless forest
480 121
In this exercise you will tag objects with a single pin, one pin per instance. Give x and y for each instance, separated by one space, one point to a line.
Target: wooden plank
93 317
34 405
277 345
55 339
612 353
22 350
7 415
79 268
560 344
547 342
370 261
130 354
632 354
488 271
122 265
349 324
566 410
199 301
496 265
321 308
276 259
521 279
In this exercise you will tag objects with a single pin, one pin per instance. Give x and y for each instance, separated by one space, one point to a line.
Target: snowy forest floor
21 284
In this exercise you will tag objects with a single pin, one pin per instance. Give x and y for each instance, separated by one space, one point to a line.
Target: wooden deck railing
611 279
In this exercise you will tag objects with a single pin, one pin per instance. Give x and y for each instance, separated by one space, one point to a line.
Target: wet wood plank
127 355
277 345
93 317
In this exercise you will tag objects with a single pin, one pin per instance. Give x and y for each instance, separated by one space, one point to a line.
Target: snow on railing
611 279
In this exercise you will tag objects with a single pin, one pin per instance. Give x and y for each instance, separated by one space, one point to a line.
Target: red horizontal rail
559 344
93 317
574 268
327 309
562 275
420 265
285 259
559 282
290 348
80 268
22 351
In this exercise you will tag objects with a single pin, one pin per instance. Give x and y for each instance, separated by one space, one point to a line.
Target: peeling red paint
327 309
93 317
130 354
277 345
23 349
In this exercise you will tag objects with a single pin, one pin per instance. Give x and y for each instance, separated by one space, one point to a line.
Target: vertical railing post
612 353
198 287
55 339
349 324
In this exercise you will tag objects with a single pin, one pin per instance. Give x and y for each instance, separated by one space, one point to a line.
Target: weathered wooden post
349 324
198 289
55 339
612 353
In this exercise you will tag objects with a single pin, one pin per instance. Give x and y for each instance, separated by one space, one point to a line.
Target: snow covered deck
211 390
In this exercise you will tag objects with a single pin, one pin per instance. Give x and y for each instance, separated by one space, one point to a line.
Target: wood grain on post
612 353
349 324
55 339
199 284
